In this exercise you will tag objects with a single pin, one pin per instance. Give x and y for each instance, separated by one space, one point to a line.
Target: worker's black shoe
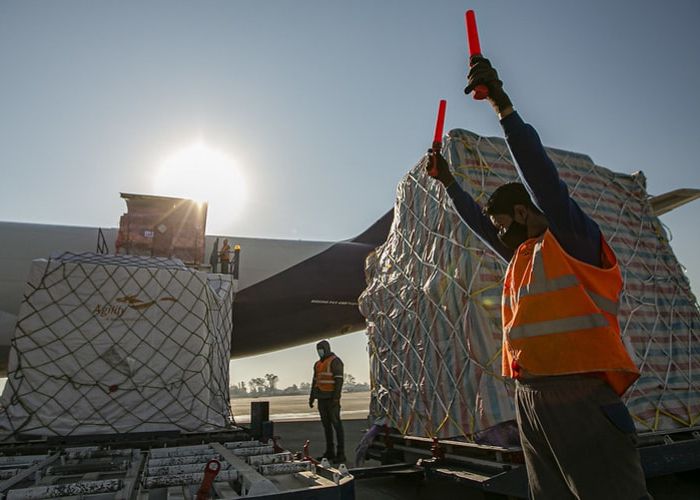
339 458
328 455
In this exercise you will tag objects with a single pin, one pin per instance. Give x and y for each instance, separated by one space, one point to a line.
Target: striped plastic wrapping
432 301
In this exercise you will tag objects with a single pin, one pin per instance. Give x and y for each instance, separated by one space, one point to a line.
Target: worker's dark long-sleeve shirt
576 232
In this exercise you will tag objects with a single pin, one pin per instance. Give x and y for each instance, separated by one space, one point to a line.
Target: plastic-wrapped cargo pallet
119 344
433 301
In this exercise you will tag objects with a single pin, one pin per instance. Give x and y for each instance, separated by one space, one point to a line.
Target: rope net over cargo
119 344
434 292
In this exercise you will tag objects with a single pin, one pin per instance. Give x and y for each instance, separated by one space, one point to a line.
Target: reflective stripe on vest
555 326
541 284
324 376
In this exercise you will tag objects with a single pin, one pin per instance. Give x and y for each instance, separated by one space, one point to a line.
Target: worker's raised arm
469 210
575 231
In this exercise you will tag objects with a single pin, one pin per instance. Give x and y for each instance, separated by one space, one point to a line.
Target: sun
202 173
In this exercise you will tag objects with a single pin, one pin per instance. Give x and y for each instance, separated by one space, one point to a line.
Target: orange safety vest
560 315
323 375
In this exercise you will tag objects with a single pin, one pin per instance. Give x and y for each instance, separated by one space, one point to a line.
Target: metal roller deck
164 468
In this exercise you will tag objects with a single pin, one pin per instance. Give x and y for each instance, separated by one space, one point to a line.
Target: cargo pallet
160 466
500 471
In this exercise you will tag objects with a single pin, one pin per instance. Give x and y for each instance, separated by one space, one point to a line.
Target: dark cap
506 196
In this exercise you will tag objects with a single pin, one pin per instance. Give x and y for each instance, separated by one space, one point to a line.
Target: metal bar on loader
252 482
8 473
6 485
132 477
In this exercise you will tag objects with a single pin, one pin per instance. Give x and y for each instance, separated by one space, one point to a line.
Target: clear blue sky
324 105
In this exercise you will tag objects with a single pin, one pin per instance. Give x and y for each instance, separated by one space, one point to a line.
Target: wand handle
480 91
437 137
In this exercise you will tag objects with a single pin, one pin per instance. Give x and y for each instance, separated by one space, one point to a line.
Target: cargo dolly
499 472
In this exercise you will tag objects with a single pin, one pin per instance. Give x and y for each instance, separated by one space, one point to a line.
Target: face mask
514 236
321 353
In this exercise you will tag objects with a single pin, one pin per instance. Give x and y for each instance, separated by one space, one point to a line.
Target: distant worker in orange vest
225 257
326 387
561 336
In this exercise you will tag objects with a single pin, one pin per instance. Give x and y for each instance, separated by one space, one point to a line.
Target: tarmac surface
294 433
353 405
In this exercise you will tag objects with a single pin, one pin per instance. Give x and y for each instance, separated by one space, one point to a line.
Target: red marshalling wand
437 138
480 91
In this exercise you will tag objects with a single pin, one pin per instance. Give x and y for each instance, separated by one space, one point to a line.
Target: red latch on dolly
307 455
210 471
436 449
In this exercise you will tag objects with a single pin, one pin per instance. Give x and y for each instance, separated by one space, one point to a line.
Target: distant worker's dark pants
224 267
578 440
330 418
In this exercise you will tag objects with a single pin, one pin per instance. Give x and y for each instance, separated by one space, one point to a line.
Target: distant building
161 226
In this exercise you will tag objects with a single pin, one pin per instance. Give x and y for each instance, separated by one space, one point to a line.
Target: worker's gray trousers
578 440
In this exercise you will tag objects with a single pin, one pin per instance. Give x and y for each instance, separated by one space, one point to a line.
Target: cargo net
434 291
119 344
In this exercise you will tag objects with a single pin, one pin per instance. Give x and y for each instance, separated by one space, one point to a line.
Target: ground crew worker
561 337
214 256
326 387
225 257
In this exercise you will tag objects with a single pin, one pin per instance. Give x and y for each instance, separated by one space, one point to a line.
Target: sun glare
203 174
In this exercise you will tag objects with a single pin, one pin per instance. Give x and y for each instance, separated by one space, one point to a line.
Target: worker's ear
520 213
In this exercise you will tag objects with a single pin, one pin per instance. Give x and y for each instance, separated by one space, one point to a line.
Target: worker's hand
436 167
482 73
311 403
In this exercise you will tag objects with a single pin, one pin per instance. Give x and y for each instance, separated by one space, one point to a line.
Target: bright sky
322 105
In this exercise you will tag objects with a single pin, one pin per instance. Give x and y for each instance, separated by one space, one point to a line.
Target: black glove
482 73
437 167
311 402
